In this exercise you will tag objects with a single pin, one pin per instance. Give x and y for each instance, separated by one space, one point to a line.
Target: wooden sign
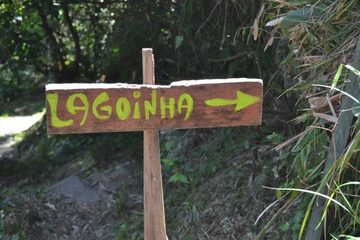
87 108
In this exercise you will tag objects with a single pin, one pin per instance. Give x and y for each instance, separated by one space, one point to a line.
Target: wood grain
137 118
154 213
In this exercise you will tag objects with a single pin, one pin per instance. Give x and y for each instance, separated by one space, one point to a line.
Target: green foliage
89 41
306 14
275 138
178 178
172 163
76 41
321 38
131 229
293 225
120 203
11 224
309 151
319 35
22 45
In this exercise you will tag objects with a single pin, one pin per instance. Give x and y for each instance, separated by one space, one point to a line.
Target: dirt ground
82 200
73 208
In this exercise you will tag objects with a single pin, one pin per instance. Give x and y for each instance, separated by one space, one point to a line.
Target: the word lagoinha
125 108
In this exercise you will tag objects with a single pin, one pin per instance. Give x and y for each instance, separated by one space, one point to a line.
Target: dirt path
17 124
10 126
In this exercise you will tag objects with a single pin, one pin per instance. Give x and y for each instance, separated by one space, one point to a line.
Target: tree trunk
55 48
94 19
74 35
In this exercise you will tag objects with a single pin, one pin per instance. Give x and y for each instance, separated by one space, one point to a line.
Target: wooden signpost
89 108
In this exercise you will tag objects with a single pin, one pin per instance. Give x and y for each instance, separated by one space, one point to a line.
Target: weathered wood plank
86 108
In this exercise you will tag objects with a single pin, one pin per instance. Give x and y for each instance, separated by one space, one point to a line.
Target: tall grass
322 37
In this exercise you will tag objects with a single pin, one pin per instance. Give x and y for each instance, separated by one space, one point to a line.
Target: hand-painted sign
80 108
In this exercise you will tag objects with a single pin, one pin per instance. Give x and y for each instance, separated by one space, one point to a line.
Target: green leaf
339 90
178 178
301 2
304 15
178 41
311 192
169 145
285 227
168 162
337 76
274 137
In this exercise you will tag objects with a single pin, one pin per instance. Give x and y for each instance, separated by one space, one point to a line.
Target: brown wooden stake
154 213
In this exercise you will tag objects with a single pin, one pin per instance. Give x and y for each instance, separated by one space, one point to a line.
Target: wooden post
154 213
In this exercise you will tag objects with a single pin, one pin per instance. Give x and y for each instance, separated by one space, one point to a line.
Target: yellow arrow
242 101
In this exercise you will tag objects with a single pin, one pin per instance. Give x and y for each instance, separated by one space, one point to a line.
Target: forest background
294 177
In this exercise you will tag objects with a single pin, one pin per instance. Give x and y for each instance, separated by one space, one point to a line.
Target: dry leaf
276 173
274 22
269 43
327 117
51 206
321 104
317 103
256 22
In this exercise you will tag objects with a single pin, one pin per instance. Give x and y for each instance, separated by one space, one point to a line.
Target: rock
111 179
73 188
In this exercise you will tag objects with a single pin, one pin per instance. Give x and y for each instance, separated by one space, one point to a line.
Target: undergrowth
322 36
